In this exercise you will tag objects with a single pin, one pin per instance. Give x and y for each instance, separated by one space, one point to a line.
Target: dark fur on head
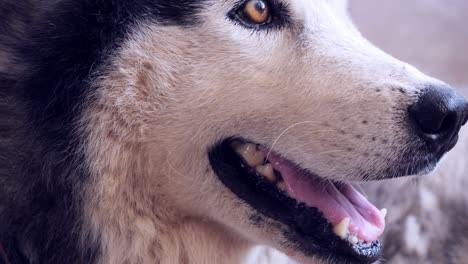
54 47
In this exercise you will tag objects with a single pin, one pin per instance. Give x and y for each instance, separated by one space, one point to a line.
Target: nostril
438 126
449 123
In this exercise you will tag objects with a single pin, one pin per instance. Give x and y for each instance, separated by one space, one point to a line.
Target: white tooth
281 186
353 239
384 212
341 229
250 154
267 172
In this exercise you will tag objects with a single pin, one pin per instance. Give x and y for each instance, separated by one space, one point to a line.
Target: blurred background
430 34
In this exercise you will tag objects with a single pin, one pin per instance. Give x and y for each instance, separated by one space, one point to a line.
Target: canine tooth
384 212
250 154
267 172
341 229
353 239
281 186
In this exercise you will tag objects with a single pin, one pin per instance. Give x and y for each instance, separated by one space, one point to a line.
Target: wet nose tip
438 115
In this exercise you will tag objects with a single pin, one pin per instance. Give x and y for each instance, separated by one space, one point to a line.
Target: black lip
305 228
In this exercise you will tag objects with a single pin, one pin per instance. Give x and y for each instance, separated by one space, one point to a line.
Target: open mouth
323 218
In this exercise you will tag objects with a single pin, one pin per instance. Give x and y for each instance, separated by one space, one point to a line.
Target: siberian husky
158 131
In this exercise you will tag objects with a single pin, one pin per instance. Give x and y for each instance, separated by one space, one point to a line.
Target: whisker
305 144
171 166
284 132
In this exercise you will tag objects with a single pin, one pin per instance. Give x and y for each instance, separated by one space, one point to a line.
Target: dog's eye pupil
257 11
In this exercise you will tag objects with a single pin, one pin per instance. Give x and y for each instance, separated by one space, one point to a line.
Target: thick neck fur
135 223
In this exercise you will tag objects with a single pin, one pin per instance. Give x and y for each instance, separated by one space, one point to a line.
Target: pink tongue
335 201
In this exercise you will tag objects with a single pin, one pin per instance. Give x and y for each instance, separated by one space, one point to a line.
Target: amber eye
256 12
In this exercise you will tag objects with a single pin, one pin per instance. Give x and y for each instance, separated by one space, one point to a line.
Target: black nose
438 115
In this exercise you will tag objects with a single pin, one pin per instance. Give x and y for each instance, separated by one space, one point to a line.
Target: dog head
259 113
